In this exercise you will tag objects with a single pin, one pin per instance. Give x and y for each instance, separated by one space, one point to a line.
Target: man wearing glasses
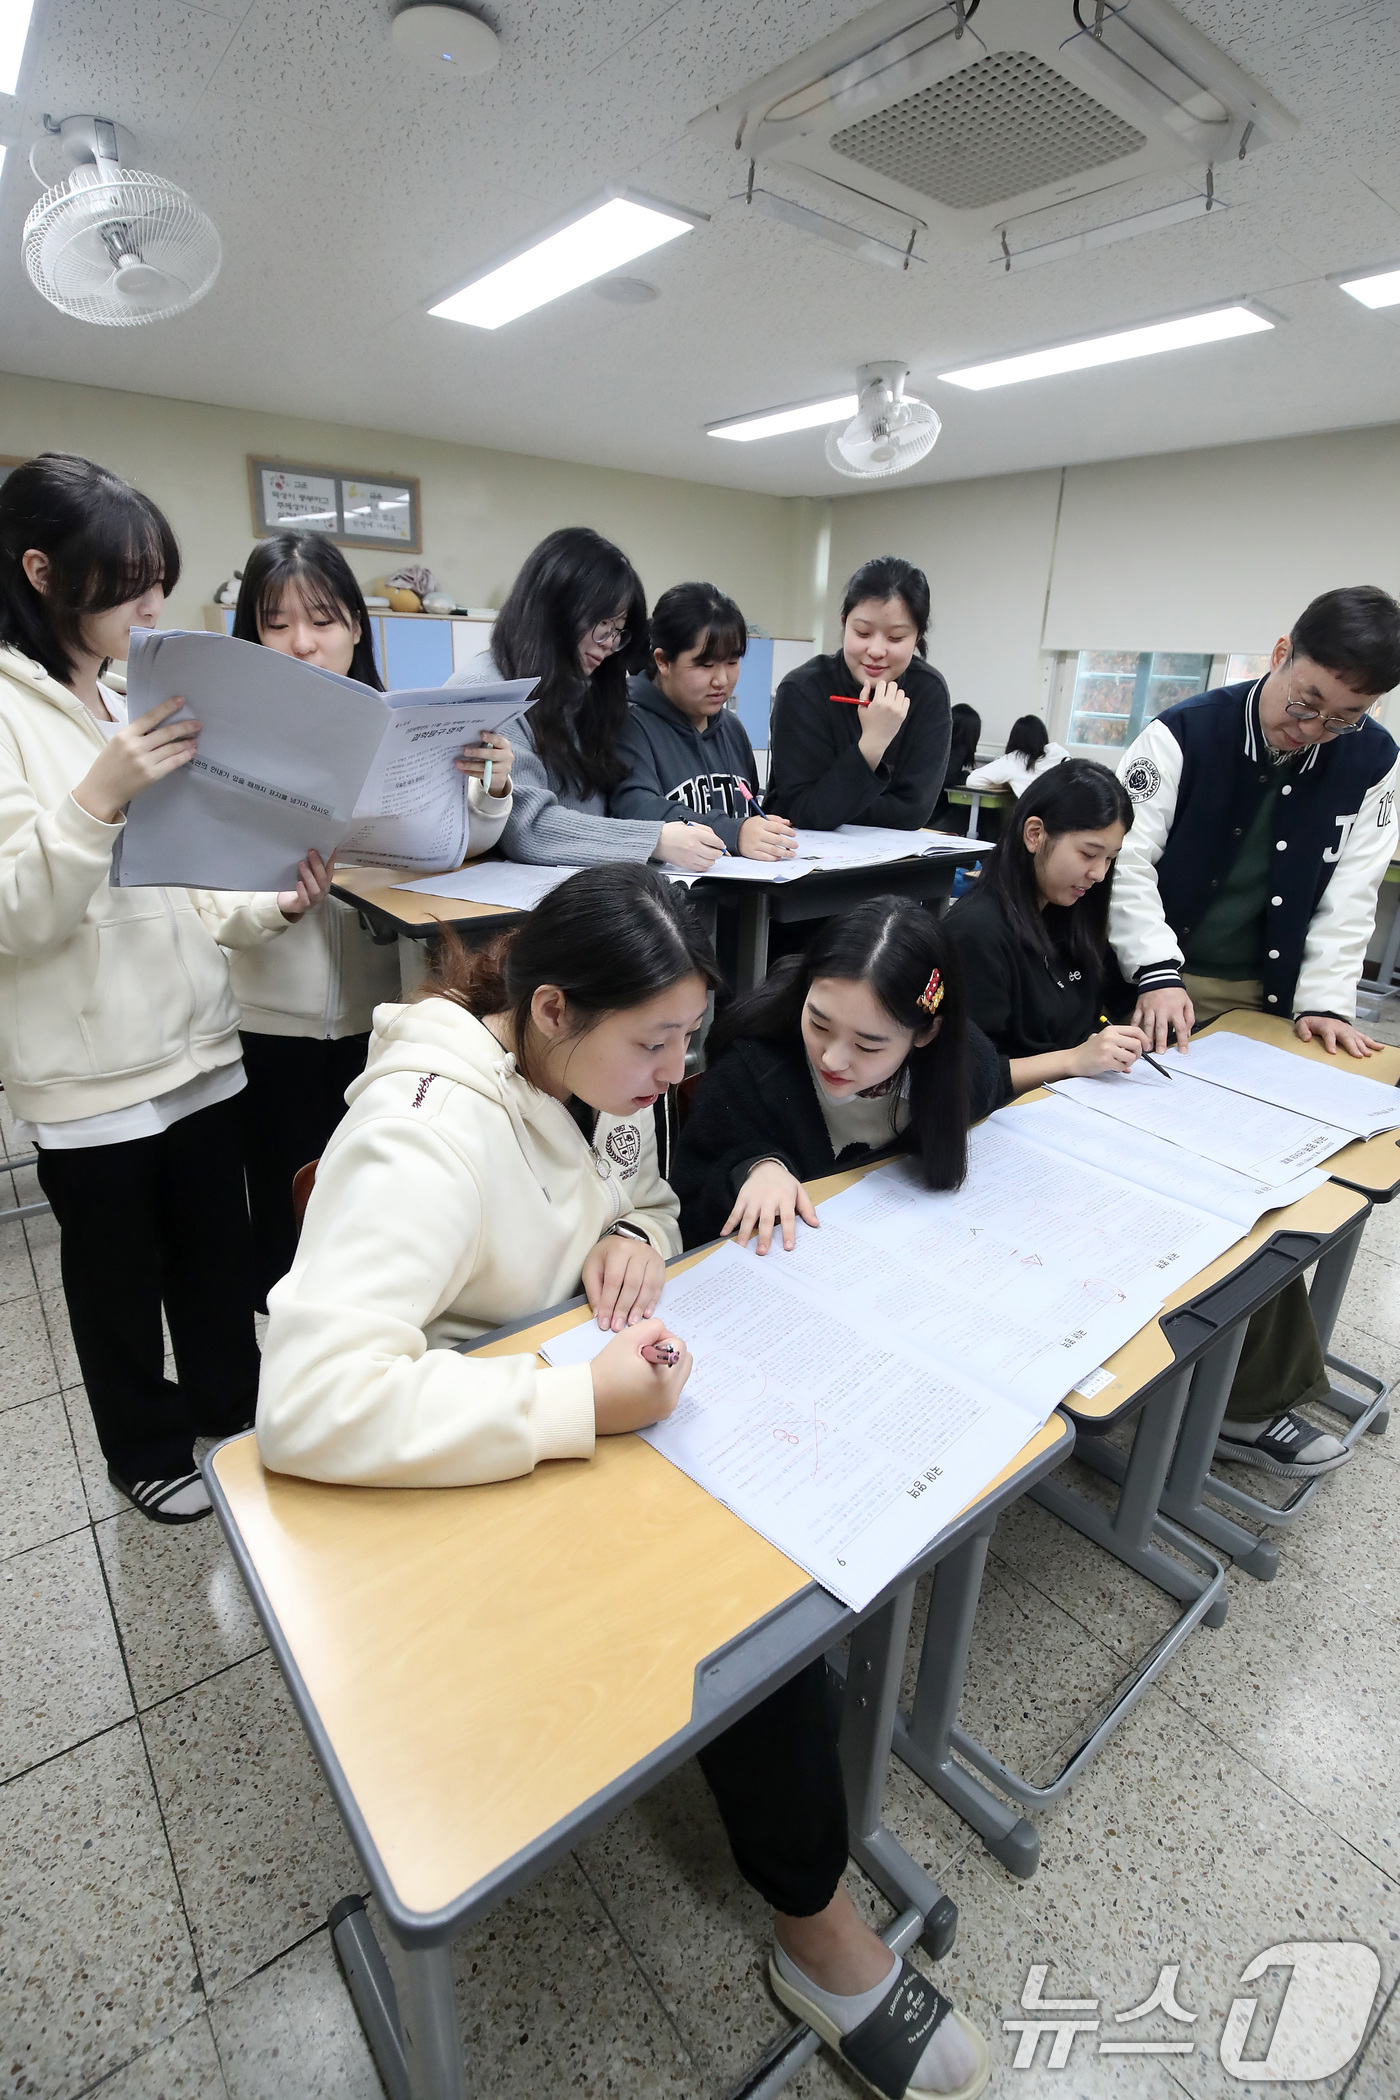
1264 820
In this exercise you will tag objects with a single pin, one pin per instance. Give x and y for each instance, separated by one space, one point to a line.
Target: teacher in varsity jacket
1264 822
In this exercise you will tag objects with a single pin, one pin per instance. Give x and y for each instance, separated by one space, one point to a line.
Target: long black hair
893 945
571 583
327 585
1028 738
1076 795
609 938
967 730
105 543
697 616
890 576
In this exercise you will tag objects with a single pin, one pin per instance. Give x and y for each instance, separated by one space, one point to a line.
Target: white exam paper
1340 1095
413 807
1271 1145
517 885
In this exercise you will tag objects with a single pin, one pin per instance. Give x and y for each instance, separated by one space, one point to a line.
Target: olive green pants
1281 1361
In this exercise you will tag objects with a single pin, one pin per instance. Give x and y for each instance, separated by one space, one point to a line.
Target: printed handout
1268 1144
290 758
1338 1094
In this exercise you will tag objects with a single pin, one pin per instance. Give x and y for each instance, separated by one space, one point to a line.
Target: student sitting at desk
576 619
682 747
962 757
1265 824
461 1192
1029 753
862 737
307 999
118 1030
850 1049
1031 935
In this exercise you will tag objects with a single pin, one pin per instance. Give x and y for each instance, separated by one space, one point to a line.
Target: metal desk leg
973 810
923 1740
1191 1477
753 941
411 2029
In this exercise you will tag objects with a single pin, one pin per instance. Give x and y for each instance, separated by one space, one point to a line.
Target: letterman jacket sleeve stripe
1342 925
1148 951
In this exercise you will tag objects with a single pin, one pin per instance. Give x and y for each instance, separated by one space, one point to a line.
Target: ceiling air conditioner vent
1007 124
964 121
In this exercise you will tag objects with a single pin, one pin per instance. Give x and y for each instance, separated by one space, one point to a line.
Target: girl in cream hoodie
460 1192
118 1032
306 1003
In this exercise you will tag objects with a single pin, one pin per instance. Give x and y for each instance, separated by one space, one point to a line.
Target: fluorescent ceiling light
14 28
773 422
1217 326
1382 288
599 240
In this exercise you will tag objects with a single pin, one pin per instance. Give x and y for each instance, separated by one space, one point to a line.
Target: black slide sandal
884 2050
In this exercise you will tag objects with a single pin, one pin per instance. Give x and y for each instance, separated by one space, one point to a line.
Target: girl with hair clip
1032 934
461 1192
856 1047
862 737
307 1002
118 1029
1029 753
682 746
576 619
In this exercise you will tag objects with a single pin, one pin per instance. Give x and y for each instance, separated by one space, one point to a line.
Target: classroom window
1238 668
1117 690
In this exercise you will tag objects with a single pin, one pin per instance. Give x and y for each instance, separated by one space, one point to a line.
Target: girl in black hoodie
859 1046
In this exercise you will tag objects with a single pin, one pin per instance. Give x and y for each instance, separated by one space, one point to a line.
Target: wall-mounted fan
113 246
889 432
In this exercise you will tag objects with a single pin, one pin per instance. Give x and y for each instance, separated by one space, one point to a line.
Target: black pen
1103 1023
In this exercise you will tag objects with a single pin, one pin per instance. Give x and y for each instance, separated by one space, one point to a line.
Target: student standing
459 1193
881 761
1029 753
576 619
857 1046
306 1002
1031 935
118 1030
1265 823
681 746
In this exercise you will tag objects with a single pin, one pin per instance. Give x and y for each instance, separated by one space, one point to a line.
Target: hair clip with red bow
931 997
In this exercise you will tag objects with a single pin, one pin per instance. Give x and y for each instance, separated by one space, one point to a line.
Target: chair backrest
303 1182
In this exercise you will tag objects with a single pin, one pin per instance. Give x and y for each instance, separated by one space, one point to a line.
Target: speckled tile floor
170 1853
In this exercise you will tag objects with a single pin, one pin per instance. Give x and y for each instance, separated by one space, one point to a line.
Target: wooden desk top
412 909
485 1660
1371 1164
965 794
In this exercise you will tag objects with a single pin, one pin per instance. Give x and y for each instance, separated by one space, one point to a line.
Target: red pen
850 700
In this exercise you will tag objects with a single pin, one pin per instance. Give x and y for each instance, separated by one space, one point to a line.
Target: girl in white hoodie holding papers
118 1031
307 1003
470 1185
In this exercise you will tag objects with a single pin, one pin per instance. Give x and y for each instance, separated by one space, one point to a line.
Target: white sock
190 1500
948 2061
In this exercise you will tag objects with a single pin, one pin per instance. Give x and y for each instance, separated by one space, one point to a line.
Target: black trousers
294 1098
159 1220
776 1779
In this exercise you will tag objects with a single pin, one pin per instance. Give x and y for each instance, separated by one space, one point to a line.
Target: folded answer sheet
289 758
1337 1094
518 885
846 1449
1150 1162
1268 1144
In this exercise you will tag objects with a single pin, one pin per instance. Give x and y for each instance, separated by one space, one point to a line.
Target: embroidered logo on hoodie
422 1094
623 1146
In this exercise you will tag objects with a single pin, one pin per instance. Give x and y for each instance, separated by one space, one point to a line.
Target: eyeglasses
610 634
1331 726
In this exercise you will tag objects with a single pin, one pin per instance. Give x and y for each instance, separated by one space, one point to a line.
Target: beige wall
1213 550
482 511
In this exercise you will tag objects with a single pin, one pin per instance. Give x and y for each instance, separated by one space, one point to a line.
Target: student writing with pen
682 747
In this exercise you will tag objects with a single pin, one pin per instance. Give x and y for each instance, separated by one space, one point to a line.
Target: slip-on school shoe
888 2044
1291 1447
183 1500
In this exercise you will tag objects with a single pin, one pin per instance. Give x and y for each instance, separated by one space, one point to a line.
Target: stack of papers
291 758
517 885
852 846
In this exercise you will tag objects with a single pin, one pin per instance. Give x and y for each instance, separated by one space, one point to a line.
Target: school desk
489 1674
413 919
827 893
1173 1377
973 800
1372 1164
